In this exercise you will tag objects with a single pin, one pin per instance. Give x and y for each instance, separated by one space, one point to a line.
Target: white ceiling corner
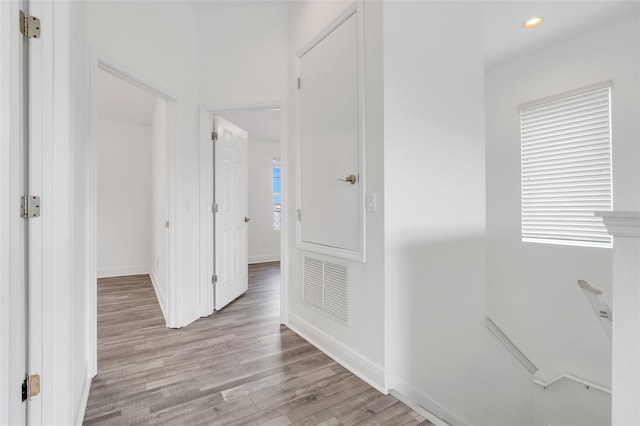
505 38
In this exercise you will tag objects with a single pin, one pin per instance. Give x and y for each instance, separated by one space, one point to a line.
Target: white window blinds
566 168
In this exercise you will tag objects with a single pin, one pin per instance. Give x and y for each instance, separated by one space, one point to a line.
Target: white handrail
509 345
599 304
587 383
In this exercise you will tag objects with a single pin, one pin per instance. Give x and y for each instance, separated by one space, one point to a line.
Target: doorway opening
265 226
132 125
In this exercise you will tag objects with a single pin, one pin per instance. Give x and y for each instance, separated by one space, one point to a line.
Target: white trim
123 72
419 409
547 383
621 223
284 216
162 301
339 20
425 405
264 258
121 271
367 370
206 216
356 8
79 417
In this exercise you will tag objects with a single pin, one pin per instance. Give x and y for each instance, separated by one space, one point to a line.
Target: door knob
246 219
351 179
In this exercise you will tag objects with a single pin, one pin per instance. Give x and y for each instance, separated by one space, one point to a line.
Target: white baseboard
424 405
263 258
83 403
122 271
162 301
367 370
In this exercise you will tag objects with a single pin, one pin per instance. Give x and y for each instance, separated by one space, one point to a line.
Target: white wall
532 291
264 241
124 198
243 54
158 41
159 213
361 344
439 354
568 403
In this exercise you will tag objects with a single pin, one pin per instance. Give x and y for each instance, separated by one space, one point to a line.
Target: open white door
231 195
13 183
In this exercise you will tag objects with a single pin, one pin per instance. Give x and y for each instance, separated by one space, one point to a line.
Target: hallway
237 367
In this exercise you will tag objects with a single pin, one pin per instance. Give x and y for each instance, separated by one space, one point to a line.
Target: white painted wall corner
162 301
424 405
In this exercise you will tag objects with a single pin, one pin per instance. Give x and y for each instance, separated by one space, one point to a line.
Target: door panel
329 140
231 195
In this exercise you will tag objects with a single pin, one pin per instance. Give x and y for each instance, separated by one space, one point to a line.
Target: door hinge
214 208
29 25
298 83
30 387
299 213
214 279
29 206
214 136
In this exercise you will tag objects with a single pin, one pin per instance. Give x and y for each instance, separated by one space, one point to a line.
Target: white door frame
206 305
12 280
102 62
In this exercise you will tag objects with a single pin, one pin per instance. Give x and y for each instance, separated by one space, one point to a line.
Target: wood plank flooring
237 367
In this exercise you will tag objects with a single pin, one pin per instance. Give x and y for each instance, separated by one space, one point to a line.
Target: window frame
556 185
277 207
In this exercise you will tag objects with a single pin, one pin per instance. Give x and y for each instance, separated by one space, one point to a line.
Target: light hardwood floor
237 367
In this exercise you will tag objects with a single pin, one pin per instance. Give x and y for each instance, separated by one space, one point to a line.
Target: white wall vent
325 285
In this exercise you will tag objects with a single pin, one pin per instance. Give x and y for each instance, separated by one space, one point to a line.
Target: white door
13 319
231 193
329 141
19 237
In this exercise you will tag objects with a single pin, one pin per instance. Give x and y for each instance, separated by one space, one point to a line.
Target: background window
566 168
276 193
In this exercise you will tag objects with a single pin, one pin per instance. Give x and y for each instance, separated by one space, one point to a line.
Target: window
276 193
566 168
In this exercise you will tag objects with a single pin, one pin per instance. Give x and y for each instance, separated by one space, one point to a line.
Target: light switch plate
371 200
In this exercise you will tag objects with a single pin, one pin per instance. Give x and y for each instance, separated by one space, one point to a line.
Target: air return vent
326 287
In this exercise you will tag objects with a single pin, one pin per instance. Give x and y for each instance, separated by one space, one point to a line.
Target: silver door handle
351 179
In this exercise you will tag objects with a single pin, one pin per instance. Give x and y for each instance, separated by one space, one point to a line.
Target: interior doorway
132 131
265 227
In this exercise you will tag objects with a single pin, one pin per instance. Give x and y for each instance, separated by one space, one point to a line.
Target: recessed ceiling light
533 22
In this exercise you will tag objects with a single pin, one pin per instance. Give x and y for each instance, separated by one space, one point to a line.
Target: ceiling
262 125
118 100
202 6
505 38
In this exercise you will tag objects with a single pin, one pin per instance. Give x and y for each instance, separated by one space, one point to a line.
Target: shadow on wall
442 345
458 369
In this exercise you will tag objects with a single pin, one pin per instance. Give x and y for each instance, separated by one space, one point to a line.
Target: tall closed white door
330 187
231 195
